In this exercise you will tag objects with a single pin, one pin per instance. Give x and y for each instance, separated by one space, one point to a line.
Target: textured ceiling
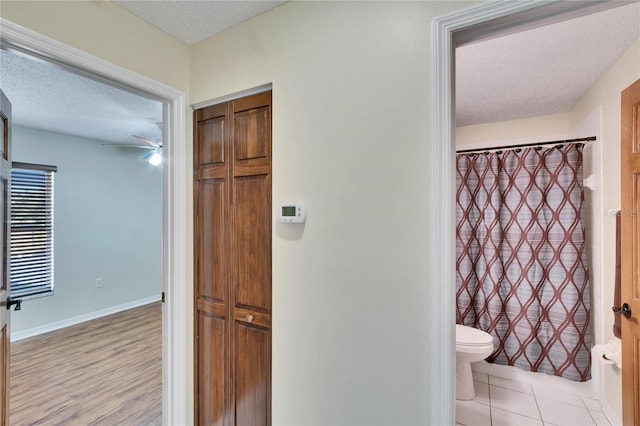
48 97
542 71
191 21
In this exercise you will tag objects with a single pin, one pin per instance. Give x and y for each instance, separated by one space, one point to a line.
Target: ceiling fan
154 156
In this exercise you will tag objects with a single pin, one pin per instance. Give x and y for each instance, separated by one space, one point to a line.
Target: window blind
31 230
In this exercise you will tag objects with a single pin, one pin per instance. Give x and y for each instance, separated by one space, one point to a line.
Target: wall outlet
99 282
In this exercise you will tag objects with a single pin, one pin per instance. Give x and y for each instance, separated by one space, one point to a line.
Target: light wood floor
102 372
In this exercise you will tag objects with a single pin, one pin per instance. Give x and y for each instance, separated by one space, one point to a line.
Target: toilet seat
472 337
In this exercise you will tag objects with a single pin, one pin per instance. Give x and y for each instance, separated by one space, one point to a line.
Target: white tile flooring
504 402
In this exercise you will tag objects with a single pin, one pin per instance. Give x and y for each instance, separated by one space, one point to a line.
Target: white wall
604 96
351 134
108 224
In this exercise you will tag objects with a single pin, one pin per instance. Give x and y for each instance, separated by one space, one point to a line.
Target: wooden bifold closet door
232 221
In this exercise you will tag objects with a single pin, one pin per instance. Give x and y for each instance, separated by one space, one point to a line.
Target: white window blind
31 230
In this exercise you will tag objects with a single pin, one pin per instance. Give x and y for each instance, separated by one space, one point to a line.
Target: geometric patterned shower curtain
521 269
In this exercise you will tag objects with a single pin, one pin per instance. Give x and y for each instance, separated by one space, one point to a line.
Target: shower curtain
521 262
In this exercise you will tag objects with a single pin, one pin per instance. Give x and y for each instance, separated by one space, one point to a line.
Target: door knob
17 302
625 310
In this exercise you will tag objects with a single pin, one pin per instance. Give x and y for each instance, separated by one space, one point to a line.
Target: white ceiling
537 72
191 21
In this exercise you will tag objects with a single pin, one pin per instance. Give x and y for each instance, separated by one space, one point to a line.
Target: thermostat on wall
292 213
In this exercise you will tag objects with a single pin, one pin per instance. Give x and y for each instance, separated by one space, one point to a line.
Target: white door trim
175 372
233 96
472 24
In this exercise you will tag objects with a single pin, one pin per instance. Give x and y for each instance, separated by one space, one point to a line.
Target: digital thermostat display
289 211
292 213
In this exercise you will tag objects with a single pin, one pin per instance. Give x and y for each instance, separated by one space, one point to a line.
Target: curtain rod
525 145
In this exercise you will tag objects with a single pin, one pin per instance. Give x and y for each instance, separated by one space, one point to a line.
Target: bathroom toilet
472 345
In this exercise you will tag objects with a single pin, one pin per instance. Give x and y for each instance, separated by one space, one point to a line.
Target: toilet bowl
472 345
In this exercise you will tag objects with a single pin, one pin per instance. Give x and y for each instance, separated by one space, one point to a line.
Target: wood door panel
4 133
630 252
211 362
213 308
213 111
210 136
5 218
635 126
252 317
5 256
211 146
232 244
210 264
252 375
636 378
252 134
250 102
635 244
247 169
252 242
4 365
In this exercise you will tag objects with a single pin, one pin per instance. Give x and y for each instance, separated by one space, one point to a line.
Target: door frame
175 205
460 27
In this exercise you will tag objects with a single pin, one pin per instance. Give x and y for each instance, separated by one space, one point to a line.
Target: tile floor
504 402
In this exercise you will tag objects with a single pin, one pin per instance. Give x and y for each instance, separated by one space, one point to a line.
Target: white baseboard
610 413
81 318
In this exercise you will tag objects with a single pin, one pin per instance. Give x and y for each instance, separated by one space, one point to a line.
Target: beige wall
528 130
109 32
351 112
351 133
605 96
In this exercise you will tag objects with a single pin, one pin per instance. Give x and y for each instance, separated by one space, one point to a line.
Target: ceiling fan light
155 159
